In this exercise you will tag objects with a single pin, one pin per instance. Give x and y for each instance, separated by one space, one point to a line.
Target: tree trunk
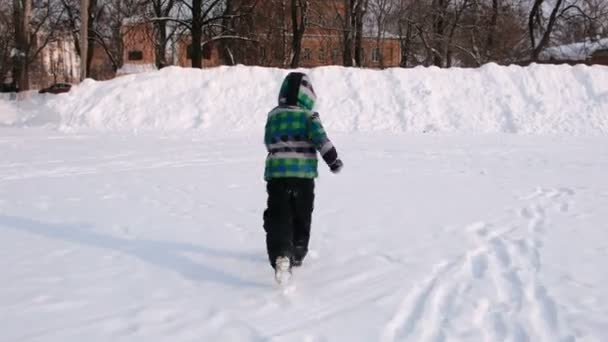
533 15
545 39
359 13
161 44
22 16
160 28
347 54
90 47
447 41
492 31
17 36
196 51
284 33
299 18
226 46
85 13
405 45
439 30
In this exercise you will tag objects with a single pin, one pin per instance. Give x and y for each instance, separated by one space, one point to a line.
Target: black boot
299 252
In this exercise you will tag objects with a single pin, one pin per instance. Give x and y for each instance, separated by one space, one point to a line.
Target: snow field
137 216
157 237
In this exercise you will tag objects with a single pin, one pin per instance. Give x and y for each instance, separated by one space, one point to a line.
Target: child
293 136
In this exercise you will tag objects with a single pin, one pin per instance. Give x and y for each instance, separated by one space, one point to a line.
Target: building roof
575 51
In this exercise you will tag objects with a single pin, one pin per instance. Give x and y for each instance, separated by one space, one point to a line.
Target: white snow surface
131 210
531 100
422 237
130 68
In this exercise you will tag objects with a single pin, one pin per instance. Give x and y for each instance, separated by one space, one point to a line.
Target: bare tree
299 21
403 18
205 21
439 24
35 25
352 19
537 26
82 29
461 32
266 24
226 53
108 32
348 33
491 30
360 10
7 39
84 38
381 11
104 27
582 20
22 20
161 9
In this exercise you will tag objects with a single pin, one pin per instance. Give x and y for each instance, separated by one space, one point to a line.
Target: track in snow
422 238
495 285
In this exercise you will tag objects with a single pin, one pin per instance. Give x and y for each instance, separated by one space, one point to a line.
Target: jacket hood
297 90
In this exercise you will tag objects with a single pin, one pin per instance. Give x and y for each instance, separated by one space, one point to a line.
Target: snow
130 68
575 51
157 237
533 100
131 210
134 20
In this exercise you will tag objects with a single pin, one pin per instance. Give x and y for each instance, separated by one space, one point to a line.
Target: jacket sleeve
267 136
319 139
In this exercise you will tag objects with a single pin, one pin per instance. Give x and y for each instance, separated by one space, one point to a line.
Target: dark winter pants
288 216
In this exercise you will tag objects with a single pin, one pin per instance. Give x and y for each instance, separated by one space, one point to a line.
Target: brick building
269 28
138 47
57 61
600 56
211 54
323 40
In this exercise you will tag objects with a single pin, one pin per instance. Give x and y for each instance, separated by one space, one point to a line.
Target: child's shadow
159 253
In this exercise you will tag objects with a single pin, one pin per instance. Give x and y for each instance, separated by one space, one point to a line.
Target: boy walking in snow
293 136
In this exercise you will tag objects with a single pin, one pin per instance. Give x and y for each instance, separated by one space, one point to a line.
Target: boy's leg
278 221
303 207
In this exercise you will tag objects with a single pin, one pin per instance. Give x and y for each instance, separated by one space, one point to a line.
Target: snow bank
535 99
8 110
129 69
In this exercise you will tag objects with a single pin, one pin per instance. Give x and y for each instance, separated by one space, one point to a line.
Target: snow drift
513 99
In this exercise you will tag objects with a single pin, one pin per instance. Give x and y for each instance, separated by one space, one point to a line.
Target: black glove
336 166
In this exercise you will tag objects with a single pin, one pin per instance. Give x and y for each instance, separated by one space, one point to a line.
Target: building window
136 55
321 55
376 55
307 55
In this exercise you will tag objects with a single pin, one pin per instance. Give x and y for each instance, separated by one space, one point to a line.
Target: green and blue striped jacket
294 133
